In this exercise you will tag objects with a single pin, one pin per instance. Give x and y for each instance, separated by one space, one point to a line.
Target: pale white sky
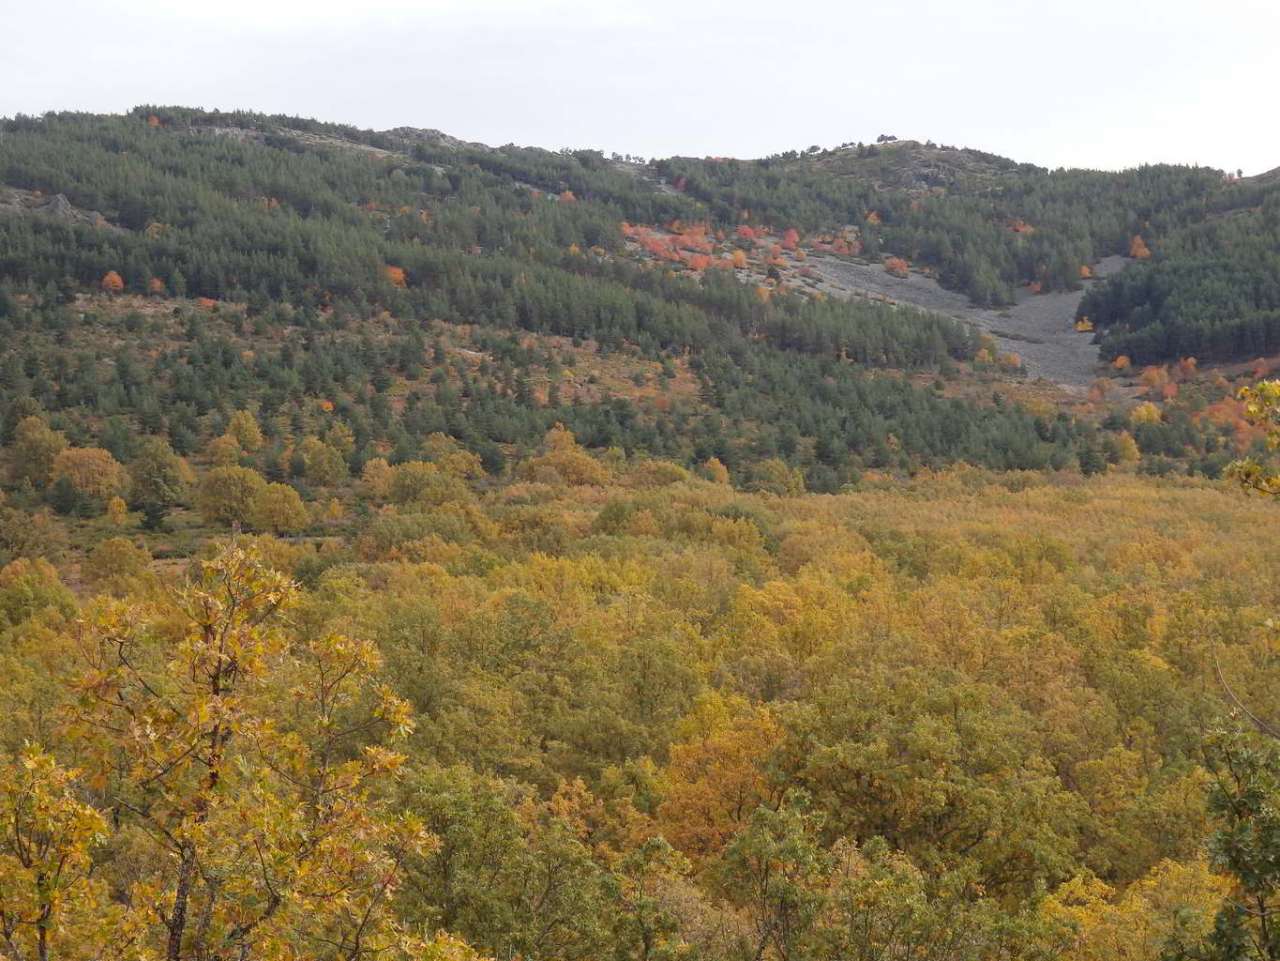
1099 83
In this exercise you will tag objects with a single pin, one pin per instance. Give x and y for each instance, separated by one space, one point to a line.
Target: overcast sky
1097 83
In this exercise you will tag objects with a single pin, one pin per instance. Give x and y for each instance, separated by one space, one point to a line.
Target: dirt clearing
1039 328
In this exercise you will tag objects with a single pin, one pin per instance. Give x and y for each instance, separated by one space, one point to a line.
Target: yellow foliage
1128 448
565 462
117 511
115 564
35 446
1137 924
715 471
714 781
92 471
243 426
224 451
375 479
1145 413
278 509
451 457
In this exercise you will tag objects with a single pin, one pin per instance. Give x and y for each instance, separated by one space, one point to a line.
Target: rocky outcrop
31 203
434 138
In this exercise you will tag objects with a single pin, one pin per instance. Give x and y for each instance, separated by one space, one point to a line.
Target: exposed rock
58 206
435 138
29 203
1038 328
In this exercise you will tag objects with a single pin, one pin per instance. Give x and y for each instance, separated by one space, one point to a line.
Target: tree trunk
181 897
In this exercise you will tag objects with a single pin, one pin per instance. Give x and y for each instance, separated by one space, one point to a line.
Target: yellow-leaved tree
243 426
1262 407
51 906
243 763
35 447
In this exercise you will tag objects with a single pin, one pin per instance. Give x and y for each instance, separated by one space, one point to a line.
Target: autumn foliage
710 667
91 471
112 282
896 266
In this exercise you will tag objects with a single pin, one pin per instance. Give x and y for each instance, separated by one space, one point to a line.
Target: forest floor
1039 328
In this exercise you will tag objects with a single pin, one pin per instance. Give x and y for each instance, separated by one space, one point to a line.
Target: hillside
309 241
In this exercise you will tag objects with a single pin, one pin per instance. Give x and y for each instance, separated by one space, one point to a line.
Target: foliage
657 720
540 642
1210 291
227 494
250 760
309 334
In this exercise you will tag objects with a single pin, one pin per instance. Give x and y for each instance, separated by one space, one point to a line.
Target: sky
1082 84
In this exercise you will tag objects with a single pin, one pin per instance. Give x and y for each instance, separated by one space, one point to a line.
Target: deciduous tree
254 778
92 471
35 446
277 508
226 494
159 480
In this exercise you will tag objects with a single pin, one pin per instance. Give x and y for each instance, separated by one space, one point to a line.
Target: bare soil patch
1039 328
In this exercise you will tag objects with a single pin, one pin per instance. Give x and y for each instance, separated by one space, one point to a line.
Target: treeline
109 376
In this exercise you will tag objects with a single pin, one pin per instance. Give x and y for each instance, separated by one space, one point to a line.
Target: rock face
59 207
29 203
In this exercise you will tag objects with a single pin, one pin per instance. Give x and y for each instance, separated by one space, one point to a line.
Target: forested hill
1207 243
299 262
979 223
305 263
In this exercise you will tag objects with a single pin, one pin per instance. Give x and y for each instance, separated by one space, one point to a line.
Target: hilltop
914 166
